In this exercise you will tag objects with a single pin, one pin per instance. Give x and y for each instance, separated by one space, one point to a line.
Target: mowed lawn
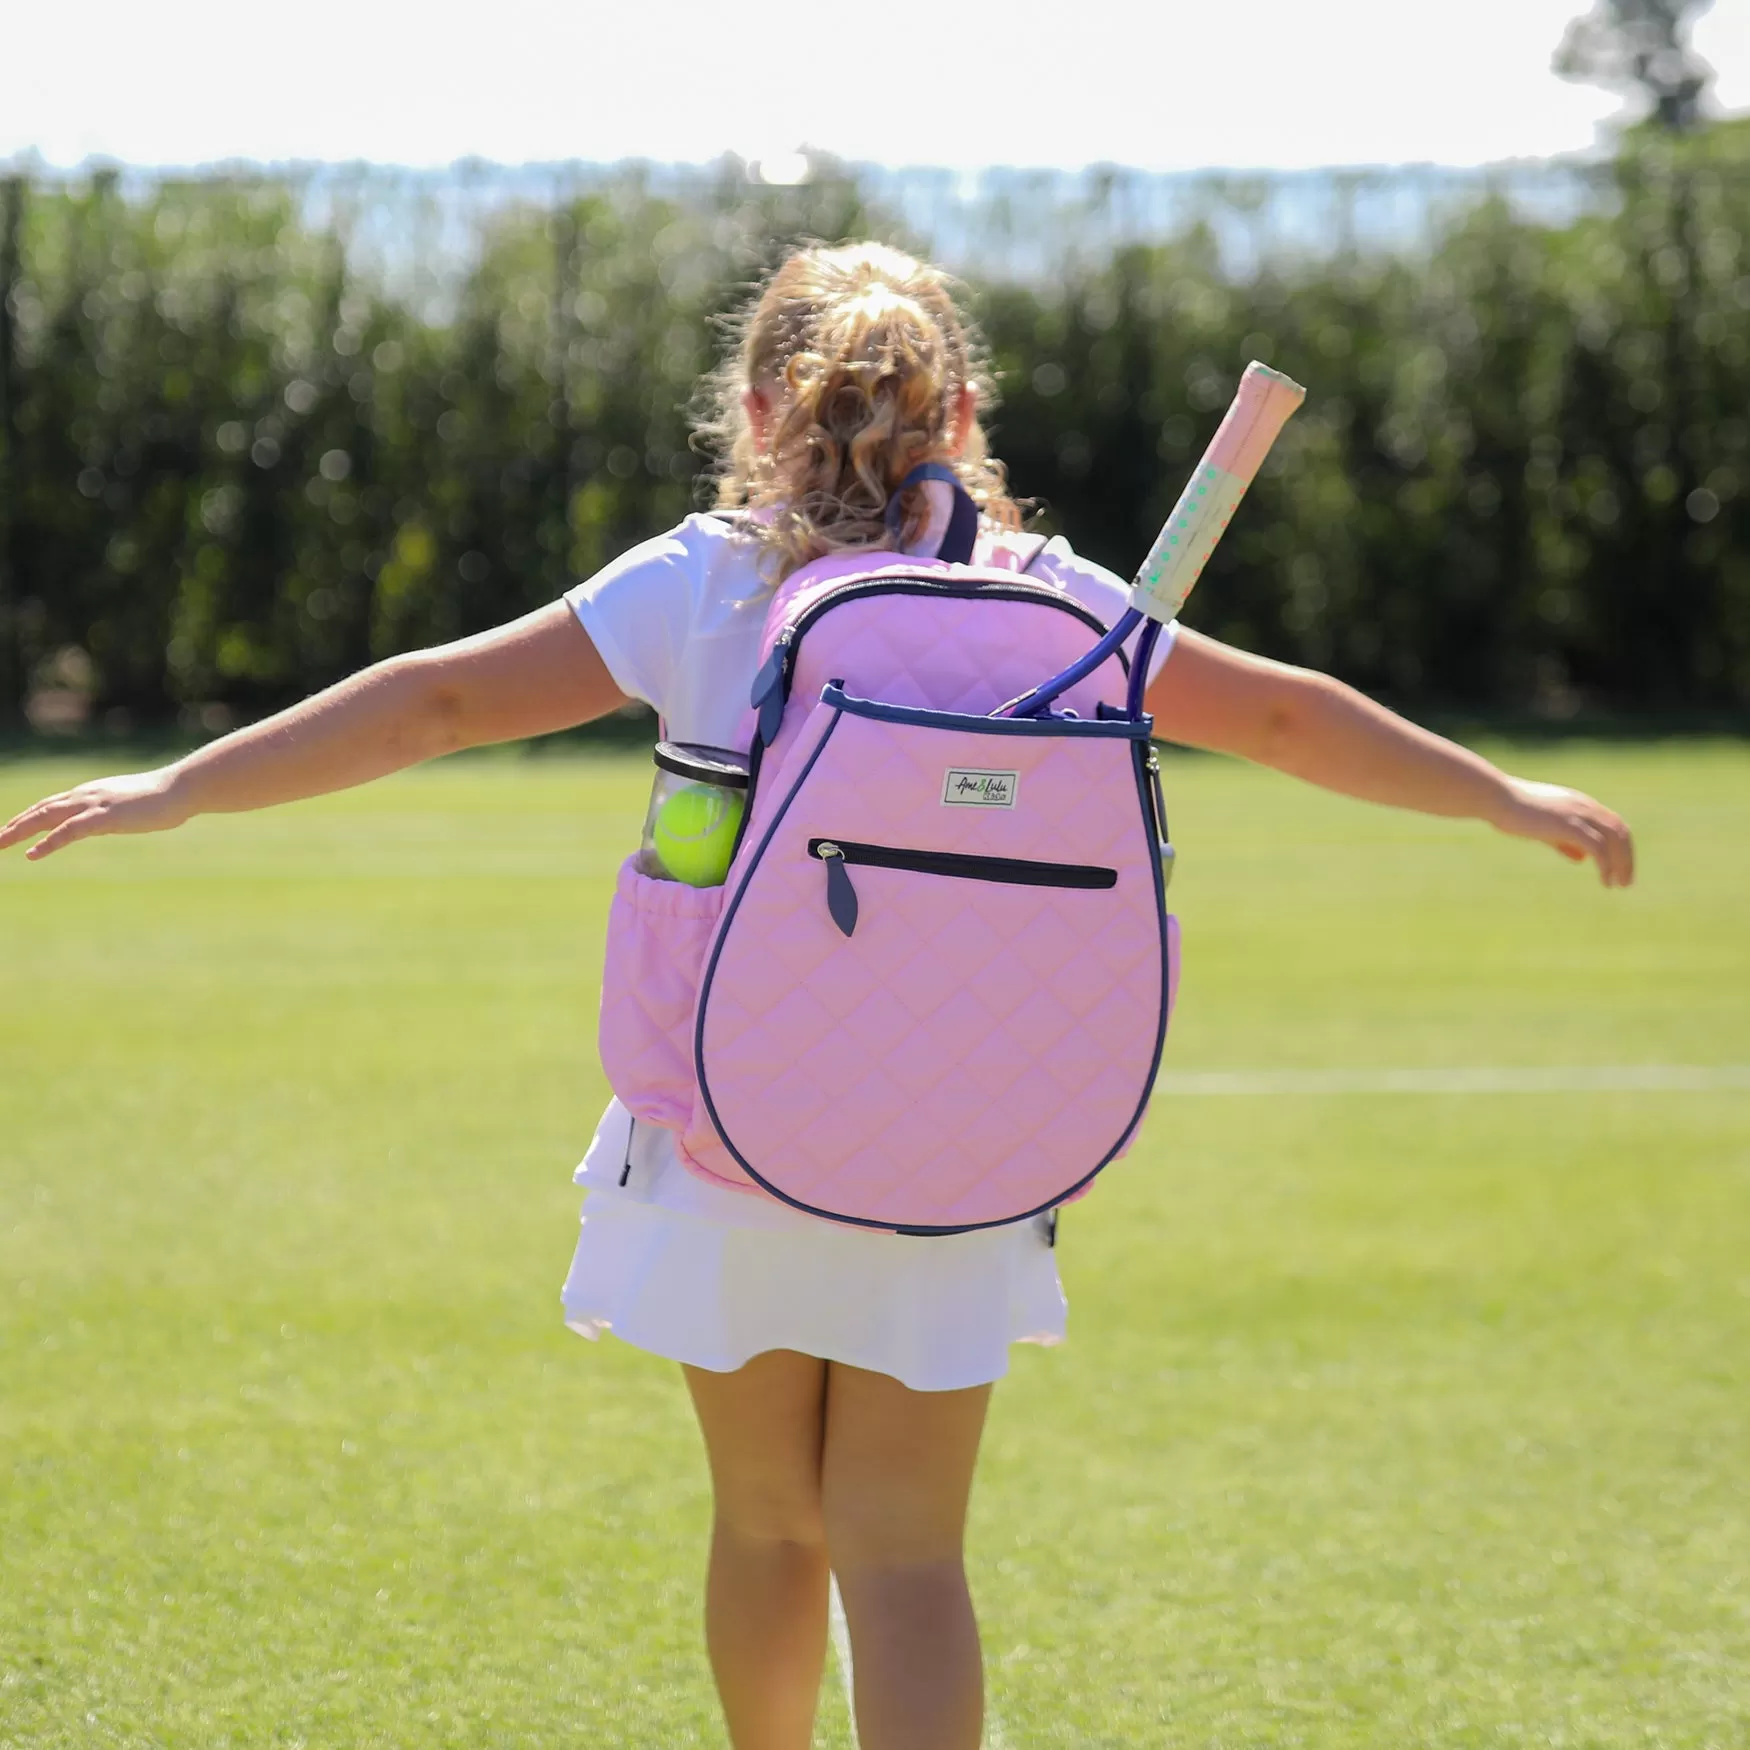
1386 1419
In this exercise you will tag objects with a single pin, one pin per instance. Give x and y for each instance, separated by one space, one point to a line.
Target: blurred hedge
235 464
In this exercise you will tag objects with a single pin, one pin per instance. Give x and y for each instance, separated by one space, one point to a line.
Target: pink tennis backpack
933 991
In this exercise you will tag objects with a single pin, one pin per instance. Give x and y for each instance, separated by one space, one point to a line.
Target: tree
1641 47
11 472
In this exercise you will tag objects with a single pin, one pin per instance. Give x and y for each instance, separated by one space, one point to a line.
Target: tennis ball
695 833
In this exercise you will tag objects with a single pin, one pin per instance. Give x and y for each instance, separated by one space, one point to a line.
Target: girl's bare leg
895 1478
766 1588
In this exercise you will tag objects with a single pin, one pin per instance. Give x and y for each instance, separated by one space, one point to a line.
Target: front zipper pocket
984 1044
841 895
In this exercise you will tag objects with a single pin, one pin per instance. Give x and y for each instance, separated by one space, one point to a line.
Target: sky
1157 84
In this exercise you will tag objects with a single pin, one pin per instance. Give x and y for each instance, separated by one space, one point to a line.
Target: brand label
974 789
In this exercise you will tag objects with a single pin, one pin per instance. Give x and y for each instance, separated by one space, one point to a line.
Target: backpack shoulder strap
804 586
962 531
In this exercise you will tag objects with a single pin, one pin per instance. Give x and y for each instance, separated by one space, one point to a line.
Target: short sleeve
1104 593
639 612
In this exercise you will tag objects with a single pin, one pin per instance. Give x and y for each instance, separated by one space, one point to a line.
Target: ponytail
862 358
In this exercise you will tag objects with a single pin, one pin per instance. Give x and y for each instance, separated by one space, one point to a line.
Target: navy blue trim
754 757
789 640
926 584
961 535
1139 751
961 539
1154 1070
958 865
835 698
1137 680
722 936
1031 704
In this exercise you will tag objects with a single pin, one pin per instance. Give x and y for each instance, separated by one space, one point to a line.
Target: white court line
841 1648
1622 1078
1639 1078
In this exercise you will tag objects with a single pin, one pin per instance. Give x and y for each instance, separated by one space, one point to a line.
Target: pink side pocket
657 935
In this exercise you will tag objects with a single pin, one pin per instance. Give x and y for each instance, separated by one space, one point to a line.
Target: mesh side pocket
657 935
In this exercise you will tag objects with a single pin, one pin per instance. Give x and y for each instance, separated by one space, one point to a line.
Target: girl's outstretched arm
1312 727
533 676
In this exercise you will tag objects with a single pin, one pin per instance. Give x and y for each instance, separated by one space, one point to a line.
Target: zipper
771 686
759 1170
841 895
1163 839
1014 871
771 689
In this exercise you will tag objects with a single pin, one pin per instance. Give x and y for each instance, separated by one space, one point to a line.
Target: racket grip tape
1261 407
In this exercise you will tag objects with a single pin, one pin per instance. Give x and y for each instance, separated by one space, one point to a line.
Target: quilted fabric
975 1049
947 653
1172 998
657 935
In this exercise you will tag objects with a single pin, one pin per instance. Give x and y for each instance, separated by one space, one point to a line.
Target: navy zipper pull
841 896
770 689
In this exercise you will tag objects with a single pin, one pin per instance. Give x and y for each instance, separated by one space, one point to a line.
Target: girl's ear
960 418
757 405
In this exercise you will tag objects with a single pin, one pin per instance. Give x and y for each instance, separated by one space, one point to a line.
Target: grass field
1386 1420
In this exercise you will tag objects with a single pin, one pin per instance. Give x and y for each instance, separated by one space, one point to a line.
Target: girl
840 1376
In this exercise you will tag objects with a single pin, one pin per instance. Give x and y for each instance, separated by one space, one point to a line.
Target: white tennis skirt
713 1278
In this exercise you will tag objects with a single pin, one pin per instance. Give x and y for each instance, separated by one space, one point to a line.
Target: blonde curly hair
861 357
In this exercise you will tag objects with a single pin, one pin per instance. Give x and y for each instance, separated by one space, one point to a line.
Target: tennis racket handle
1261 407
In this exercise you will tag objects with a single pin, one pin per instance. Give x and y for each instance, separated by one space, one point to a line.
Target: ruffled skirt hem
938 1314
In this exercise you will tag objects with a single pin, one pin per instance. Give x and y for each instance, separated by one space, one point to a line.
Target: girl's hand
137 802
537 674
1572 823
